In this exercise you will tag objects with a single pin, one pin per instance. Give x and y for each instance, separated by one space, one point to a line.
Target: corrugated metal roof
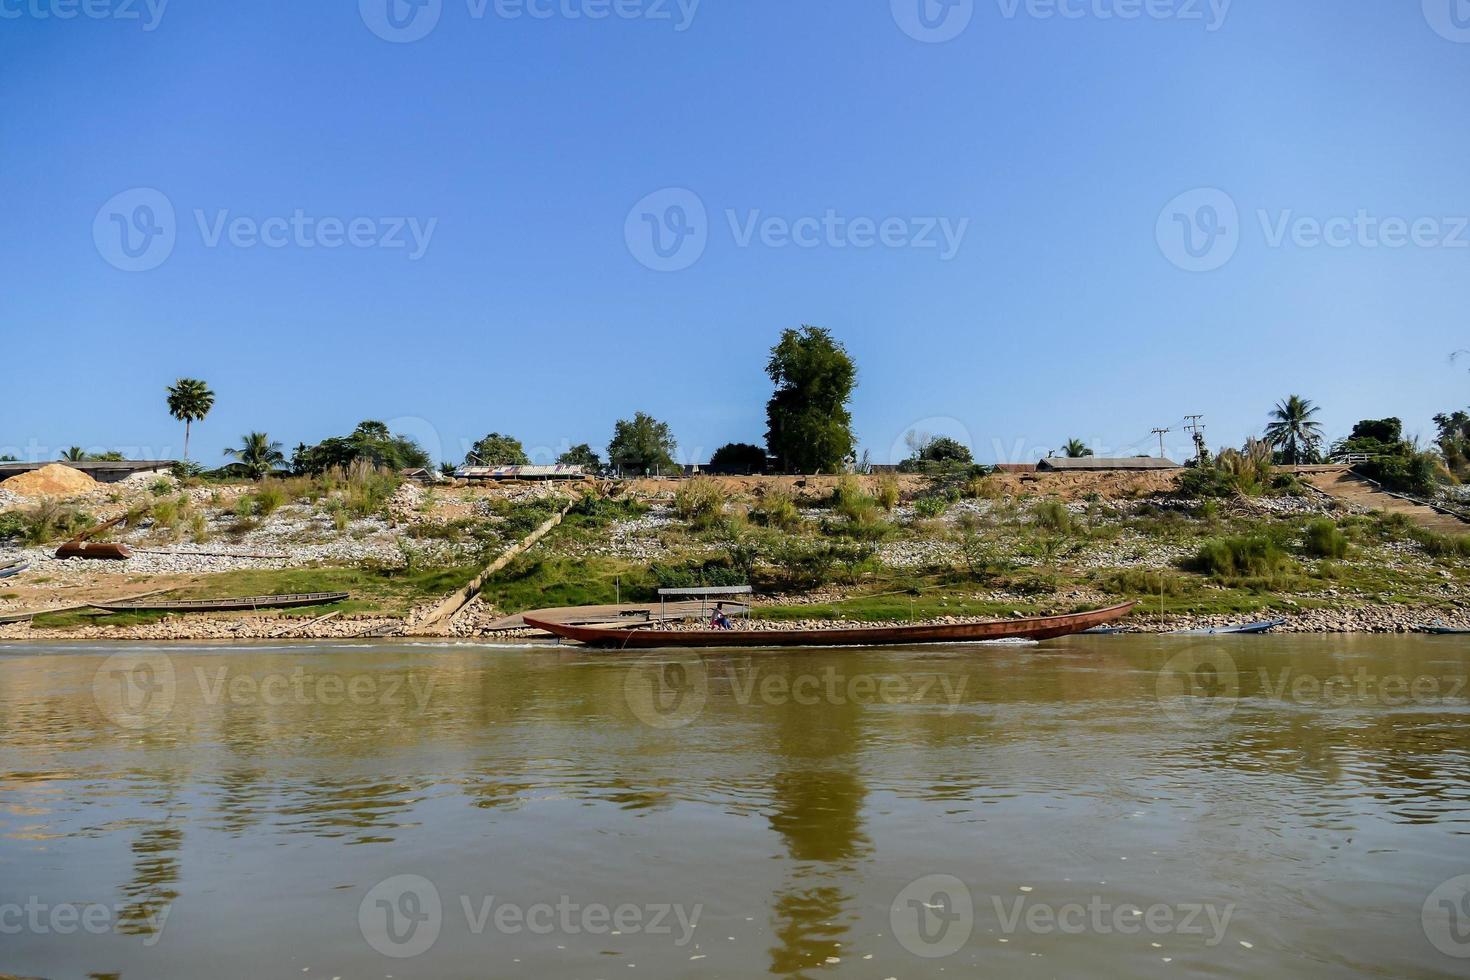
519 472
1086 463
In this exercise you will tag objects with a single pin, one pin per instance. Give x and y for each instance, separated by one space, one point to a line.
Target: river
1097 806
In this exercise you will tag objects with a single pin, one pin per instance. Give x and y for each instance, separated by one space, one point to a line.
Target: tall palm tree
189 400
1292 430
259 455
76 454
1076 449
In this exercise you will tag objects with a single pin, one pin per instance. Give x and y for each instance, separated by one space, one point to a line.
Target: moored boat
238 604
14 568
1264 626
636 638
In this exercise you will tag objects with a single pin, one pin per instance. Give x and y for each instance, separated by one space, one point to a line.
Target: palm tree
1292 430
259 455
76 454
189 400
1076 449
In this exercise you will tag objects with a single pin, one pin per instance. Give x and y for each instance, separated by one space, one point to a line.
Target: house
1100 464
101 470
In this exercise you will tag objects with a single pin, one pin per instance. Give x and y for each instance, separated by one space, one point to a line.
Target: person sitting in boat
719 621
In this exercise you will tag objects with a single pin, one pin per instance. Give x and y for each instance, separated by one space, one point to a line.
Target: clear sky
567 217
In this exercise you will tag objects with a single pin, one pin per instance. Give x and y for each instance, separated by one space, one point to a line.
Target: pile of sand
52 480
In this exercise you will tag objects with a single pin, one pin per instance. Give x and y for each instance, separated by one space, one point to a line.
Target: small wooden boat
99 551
1261 627
227 605
636 638
13 568
1442 630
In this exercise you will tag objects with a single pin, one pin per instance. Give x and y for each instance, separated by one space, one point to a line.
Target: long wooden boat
635 638
14 568
1265 626
227 605
1441 630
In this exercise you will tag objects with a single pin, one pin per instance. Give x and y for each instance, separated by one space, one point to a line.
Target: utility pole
1194 427
1161 433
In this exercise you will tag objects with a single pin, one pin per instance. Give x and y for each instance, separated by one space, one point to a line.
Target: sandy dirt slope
1343 485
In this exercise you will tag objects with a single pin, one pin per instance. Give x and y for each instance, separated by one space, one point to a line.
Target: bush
269 497
929 508
982 488
1440 545
1054 516
1246 555
168 513
44 522
700 502
1142 582
1324 540
1416 474
848 497
888 493
161 487
778 510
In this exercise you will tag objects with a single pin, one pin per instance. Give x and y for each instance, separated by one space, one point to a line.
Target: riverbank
820 550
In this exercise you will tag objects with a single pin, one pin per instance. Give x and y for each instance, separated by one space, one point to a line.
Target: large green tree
497 450
259 455
1293 432
809 427
189 400
642 445
371 441
584 456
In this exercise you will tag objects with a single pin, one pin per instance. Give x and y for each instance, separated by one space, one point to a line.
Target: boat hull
242 604
1247 628
1039 628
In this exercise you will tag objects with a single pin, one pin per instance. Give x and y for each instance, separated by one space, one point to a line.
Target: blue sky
474 213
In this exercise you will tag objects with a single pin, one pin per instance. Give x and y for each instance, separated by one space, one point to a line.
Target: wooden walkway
1341 483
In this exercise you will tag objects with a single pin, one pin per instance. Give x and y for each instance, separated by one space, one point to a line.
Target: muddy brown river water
1099 807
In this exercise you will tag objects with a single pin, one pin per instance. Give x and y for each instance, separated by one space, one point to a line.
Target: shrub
848 498
982 488
1440 545
44 522
1324 540
778 510
1054 516
269 497
199 528
1142 582
700 502
168 513
928 508
888 493
161 487
1243 555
